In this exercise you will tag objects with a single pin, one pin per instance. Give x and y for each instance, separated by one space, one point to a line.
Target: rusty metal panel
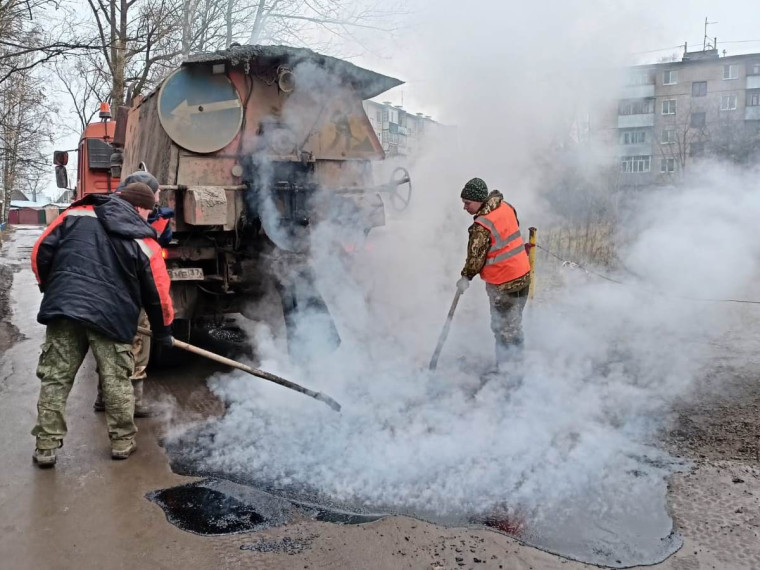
196 170
343 173
205 206
146 141
344 133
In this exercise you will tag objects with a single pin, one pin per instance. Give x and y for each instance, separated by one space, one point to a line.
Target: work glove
165 341
166 213
463 284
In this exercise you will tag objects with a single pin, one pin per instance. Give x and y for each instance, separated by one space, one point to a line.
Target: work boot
44 457
123 450
142 410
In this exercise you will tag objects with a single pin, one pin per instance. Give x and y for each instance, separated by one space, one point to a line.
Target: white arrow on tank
184 109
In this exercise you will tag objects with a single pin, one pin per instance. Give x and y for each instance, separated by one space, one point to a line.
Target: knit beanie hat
139 195
475 190
139 176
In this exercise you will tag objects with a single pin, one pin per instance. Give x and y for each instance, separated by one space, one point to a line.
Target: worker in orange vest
496 251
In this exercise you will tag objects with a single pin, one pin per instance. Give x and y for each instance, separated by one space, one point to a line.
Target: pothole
637 531
214 507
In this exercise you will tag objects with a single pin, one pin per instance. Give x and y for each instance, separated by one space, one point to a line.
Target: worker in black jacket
97 264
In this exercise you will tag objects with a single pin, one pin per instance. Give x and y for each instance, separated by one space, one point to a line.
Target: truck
253 147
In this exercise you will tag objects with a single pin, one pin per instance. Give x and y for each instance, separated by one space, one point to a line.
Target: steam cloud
571 425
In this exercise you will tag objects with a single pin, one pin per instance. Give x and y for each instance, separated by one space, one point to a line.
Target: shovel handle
445 331
324 398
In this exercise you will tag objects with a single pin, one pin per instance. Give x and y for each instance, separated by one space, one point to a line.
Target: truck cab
94 174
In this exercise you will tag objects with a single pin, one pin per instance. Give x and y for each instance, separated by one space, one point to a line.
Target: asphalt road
92 512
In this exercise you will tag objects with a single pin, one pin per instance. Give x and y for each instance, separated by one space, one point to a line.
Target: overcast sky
456 57
633 28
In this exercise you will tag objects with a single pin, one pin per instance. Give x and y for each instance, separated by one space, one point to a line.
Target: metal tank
253 147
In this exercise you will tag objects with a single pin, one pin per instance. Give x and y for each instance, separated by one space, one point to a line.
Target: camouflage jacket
480 242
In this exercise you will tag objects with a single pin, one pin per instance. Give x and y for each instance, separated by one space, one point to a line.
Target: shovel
445 331
324 398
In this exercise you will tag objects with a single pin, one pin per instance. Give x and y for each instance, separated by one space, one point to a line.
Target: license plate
186 274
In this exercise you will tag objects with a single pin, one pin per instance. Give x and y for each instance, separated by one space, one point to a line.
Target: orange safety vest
506 260
160 225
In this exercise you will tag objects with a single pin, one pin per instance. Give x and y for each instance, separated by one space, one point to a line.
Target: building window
753 98
697 148
379 116
668 136
697 120
730 72
631 164
669 77
633 136
669 107
728 102
753 68
636 106
699 88
640 78
667 165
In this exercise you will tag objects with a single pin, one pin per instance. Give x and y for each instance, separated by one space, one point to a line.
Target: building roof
29 204
366 82
697 58
18 195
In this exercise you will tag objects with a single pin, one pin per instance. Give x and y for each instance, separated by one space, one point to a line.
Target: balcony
633 121
634 149
752 114
753 82
638 91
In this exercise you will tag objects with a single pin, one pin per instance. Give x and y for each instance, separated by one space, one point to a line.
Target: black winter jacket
97 264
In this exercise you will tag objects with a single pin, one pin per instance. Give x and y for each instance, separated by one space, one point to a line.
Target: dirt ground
91 512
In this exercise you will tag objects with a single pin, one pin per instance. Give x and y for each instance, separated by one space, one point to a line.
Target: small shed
28 213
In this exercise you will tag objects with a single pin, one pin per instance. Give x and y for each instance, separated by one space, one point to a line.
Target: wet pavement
92 512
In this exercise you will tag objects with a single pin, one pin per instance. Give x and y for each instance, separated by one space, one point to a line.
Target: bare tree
290 21
135 37
24 130
84 84
25 43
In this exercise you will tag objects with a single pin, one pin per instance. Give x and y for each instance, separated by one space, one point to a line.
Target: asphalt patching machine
253 147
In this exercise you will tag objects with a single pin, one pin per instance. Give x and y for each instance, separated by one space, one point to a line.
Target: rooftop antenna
705 41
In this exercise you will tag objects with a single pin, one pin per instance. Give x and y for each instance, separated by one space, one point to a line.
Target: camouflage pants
506 318
141 349
141 353
66 344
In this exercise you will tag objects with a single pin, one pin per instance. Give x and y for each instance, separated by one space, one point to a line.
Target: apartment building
401 133
670 114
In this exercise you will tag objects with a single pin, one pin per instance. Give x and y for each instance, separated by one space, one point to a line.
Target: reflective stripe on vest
161 280
506 259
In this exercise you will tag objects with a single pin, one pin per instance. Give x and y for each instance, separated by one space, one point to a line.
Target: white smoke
571 422
602 364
